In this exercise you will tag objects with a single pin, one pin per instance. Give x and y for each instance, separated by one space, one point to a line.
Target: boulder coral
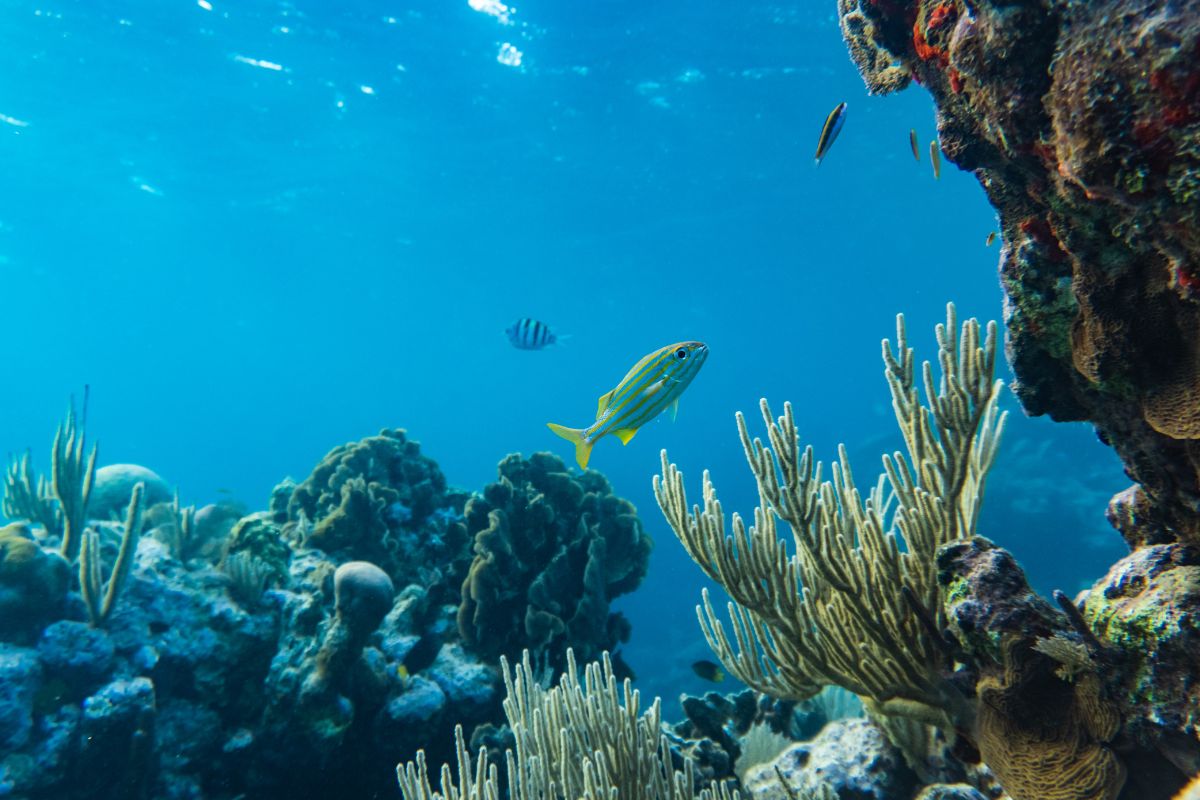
552 550
33 583
381 500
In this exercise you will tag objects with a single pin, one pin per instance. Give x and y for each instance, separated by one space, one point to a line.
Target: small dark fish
709 671
422 654
935 158
990 240
530 334
912 142
830 130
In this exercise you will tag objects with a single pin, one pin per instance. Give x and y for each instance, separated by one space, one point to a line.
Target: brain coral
552 550
381 500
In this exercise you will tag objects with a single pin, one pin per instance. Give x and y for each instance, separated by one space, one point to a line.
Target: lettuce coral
552 550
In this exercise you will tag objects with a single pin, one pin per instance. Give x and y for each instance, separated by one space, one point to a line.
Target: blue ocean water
258 230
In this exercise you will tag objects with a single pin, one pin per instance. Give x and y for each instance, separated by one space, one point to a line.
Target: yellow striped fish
829 131
652 386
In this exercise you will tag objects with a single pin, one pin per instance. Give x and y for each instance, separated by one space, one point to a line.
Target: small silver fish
990 240
935 158
912 142
829 131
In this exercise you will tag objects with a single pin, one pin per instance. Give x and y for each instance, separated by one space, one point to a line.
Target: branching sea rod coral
857 604
586 740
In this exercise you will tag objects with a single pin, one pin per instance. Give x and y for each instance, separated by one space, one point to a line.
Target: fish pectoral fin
654 388
603 404
673 410
625 434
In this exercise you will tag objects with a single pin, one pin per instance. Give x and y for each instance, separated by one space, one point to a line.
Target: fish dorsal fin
638 366
603 405
673 409
625 434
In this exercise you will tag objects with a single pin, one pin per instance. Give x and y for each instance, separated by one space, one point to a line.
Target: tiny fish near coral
912 142
649 388
708 670
829 131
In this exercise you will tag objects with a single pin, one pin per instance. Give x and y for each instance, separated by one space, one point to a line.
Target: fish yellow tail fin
583 448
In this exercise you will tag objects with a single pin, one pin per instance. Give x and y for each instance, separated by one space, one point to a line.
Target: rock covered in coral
1095 703
113 487
1147 608
1090 155
76 653
852 757
381 500
552 550
20 677
987 599
33 583
957 791
117 739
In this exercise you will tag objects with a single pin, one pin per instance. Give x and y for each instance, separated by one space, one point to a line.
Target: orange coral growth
938 17
941 15
926 51
956 82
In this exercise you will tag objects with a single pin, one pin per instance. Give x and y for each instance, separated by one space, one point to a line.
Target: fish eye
681 353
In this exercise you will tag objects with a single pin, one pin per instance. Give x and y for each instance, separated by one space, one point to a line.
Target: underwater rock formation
1090 154
552 550
852 757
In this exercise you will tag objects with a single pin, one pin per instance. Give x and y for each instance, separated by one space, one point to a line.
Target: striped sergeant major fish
652 386
530 334
830 130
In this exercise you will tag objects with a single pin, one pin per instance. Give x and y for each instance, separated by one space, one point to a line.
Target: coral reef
218 653
1090 702
552 550
1090 156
